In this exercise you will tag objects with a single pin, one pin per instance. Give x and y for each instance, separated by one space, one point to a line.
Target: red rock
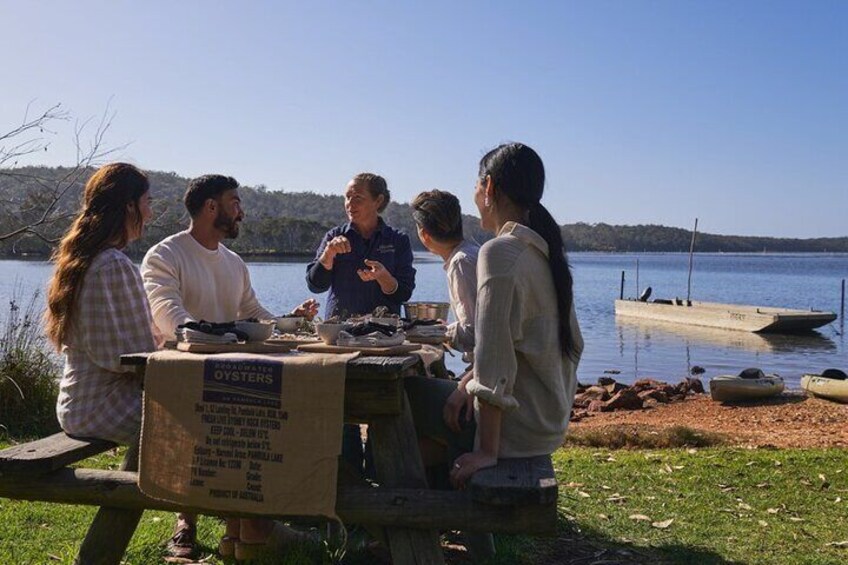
597 406
668 390
614 388
627 399
596 393
643 384
695 385
657 395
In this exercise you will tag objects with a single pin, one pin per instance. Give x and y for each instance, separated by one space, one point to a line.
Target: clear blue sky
643 111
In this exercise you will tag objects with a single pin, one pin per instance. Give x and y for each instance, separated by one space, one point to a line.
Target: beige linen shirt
461 272
519 366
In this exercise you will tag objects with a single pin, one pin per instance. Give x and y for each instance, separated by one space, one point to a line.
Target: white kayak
831 384
750 384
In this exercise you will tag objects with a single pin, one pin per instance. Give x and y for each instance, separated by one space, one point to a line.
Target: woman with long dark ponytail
528 342
97 308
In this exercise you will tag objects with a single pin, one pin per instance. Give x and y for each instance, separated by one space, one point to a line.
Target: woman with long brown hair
97 308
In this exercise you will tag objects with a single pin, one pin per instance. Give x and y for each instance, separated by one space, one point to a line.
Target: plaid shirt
97 396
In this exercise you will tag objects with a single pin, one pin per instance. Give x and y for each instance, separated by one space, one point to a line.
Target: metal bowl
427 310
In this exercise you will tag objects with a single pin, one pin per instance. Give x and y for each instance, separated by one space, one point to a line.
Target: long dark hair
518 172
103 222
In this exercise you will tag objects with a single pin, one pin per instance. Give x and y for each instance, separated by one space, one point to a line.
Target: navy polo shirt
349 293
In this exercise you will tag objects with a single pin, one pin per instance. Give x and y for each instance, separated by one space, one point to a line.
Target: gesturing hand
338 245
309 309
377 272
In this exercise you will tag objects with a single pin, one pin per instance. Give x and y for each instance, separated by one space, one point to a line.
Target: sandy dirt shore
790 420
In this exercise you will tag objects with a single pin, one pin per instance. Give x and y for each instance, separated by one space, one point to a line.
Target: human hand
452 409
309 309
377 272
469 463
336 246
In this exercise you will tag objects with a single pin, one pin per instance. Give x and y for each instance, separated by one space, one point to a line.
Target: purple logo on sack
251 383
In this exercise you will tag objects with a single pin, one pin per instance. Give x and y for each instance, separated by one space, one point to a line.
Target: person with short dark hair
438 217
364 263
203 188
192 276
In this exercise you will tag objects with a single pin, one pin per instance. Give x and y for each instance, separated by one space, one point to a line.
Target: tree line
292 223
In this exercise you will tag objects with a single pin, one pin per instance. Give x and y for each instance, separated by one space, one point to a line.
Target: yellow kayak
831 384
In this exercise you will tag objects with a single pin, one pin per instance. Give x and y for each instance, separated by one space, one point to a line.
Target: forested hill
280 223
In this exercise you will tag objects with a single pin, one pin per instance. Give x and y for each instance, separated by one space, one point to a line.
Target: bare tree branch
43 209
29 136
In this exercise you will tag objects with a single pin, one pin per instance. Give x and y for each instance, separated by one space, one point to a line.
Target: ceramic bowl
329 333
256 331
288 324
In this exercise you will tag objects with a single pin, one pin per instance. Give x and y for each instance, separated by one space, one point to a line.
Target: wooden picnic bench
516 496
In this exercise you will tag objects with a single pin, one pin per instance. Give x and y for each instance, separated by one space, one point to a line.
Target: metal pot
426 310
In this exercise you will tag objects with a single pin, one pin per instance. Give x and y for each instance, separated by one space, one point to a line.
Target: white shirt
519 365
188 282
461 271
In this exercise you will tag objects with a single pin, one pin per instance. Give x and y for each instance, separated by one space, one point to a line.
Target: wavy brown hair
103 222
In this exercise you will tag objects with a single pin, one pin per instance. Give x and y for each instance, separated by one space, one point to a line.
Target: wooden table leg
398 464
112 528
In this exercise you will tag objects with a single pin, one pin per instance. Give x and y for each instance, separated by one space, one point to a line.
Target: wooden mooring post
621 293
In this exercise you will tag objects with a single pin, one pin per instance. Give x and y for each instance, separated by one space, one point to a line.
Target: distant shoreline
257 256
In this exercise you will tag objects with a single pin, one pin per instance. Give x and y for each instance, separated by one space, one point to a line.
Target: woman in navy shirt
363 263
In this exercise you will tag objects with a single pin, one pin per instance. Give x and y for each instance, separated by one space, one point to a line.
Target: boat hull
726 316
830 389
730 388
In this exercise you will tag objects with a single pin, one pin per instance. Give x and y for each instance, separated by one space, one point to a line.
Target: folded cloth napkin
408 323
439 330
189 335
374 339
369 327
214 329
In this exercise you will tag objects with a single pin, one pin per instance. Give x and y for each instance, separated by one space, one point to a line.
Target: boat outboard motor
752 373
646 294
834 374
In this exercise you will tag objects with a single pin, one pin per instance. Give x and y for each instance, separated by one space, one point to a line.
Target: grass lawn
711 505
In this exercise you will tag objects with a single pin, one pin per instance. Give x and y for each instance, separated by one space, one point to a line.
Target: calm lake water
634 349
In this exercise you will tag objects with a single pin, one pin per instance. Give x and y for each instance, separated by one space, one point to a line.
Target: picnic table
516 496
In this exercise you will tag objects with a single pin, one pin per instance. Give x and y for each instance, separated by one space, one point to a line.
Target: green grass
727 506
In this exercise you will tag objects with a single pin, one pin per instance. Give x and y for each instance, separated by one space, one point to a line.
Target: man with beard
192 276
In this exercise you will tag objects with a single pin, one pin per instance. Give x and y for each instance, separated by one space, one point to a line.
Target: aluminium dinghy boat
831 384
750 384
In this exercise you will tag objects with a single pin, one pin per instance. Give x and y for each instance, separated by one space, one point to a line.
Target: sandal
183 544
